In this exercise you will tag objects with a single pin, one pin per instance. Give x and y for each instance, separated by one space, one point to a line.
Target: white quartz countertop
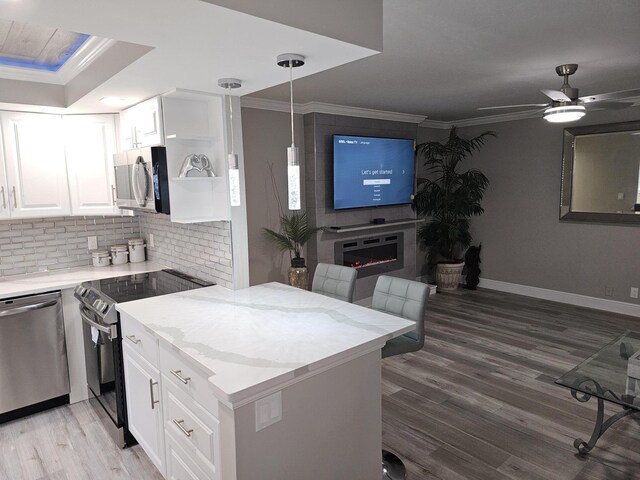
59 279
259 338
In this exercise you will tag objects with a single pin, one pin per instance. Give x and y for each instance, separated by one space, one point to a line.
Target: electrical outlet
634 292
608 291
92 243
621 196
151 241
268 410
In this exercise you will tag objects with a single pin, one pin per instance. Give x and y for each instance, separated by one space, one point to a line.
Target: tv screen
371 172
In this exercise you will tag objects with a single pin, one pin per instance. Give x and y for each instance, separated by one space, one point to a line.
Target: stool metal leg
392 467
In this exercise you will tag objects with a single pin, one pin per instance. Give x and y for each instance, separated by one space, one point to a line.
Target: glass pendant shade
234 180
293 177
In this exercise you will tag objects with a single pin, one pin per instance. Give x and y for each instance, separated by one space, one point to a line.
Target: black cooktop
145 285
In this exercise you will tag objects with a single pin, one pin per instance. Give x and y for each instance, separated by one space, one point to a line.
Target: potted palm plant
294 233
448 197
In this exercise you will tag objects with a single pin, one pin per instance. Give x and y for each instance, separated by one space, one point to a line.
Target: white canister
136 250
119 254
100 258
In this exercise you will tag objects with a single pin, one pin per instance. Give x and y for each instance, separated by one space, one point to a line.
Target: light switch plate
268 410
634 292
92 243
152 243
621 196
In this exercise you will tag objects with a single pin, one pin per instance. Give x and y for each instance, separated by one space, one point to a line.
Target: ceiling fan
567 106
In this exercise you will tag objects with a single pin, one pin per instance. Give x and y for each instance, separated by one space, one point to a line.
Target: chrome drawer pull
179 424
133 339
178 375
153 402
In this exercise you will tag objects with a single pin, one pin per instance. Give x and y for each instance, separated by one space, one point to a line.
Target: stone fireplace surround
319 129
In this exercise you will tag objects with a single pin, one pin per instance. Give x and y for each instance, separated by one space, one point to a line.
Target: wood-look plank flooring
478 401
68 443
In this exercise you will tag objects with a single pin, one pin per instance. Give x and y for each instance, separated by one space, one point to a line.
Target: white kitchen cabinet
141 125
90 142
144 411
35 165
5 212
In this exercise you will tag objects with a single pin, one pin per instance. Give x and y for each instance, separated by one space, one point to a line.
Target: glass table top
612 373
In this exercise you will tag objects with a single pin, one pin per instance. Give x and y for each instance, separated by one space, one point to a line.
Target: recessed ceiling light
116 101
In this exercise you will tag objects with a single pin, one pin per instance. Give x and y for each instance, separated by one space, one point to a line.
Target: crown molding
420 120
329 108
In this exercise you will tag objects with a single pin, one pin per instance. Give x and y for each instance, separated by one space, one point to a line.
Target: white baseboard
563 297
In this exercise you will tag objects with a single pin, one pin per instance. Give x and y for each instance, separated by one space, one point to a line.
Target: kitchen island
268 382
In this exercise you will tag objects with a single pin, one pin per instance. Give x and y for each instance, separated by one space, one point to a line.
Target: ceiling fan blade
610 105
556 95
611 96
515 106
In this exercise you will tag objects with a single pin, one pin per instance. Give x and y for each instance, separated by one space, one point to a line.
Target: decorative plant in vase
294 233
448 197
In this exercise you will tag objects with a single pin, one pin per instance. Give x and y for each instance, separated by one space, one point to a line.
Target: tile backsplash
199 249
40 244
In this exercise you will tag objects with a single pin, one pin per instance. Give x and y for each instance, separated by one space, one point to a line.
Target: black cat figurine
472 266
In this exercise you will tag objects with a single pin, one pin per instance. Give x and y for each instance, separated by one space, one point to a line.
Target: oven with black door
103 338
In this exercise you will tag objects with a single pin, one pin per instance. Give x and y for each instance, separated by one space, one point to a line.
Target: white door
4 201
35 164
90 145
141 381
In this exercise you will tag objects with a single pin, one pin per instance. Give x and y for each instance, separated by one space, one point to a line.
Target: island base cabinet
144 410
331 428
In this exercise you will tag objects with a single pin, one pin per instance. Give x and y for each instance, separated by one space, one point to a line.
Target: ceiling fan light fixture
565 113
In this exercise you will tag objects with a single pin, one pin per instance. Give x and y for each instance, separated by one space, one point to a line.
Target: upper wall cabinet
90 142
141 125
35 165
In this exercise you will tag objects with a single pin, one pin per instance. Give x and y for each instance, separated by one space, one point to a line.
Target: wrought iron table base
601 425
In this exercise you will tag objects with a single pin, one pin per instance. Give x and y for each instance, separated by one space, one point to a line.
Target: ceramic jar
137 250
100 258
119 254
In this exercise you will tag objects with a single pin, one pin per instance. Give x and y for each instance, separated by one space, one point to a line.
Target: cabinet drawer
139 339
197 432
187 378
180 466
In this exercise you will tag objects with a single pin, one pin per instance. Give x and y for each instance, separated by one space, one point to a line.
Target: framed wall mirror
601 173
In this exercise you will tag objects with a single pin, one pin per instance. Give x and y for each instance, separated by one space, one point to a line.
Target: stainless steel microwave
142 181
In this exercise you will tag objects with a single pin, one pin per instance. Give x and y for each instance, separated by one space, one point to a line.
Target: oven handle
111 331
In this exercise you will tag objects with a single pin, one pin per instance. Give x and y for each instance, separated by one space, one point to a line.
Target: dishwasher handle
110 330
27 308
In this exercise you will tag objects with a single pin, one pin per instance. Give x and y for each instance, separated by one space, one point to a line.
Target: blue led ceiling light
51 66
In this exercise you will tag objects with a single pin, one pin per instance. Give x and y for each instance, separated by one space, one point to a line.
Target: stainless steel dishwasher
34 372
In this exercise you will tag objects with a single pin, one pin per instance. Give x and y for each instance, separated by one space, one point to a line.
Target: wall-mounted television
372 171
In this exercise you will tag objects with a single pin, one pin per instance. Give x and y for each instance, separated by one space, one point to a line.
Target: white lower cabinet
144 409
171 411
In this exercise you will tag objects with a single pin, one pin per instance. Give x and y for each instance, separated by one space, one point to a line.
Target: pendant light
290 61
232 158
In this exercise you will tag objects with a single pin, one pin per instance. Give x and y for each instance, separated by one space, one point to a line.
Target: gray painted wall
523 240
267 135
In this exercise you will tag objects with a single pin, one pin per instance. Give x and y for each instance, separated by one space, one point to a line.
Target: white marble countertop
262 337
68 278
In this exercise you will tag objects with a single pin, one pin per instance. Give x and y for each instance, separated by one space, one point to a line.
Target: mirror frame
567 175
